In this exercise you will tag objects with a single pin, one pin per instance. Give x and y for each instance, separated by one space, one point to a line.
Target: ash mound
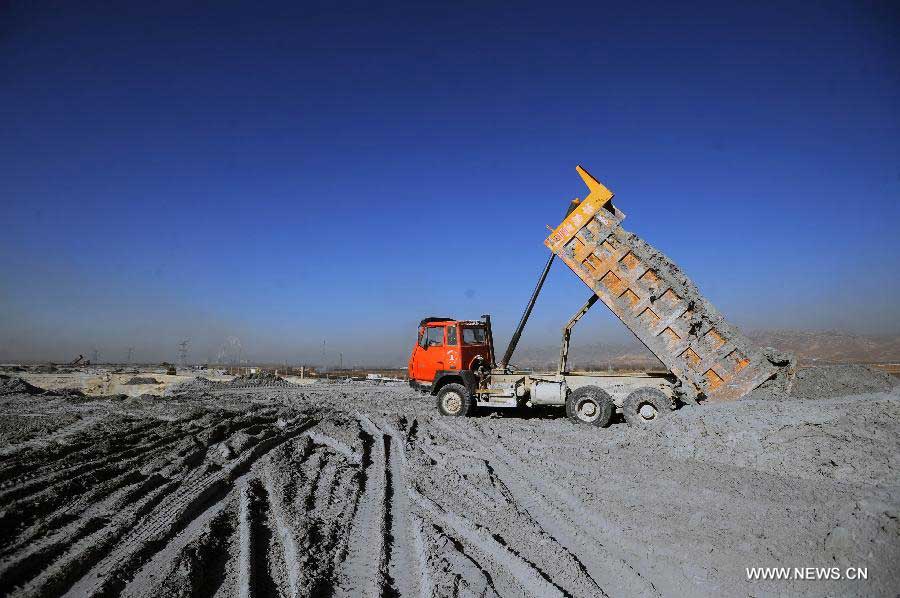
143 380
10 385
260 379
840 380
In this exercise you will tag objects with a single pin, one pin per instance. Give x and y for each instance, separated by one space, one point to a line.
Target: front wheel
455 400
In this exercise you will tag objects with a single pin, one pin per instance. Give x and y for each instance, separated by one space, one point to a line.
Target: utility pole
324 366
342 361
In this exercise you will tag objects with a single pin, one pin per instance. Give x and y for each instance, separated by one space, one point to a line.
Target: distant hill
809 347
831 346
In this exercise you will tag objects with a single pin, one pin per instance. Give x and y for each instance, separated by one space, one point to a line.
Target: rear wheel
646 406
455 400
590 405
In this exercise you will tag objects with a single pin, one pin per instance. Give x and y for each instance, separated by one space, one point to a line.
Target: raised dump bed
657 302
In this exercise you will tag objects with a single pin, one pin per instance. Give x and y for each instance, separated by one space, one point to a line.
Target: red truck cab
449 350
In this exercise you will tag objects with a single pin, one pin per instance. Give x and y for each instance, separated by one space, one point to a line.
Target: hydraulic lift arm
514 341
526 314
567 334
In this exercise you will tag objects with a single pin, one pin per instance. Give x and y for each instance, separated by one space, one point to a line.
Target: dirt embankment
352 489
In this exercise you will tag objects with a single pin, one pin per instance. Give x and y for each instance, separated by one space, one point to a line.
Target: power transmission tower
95 356
183 351
231 350
130 353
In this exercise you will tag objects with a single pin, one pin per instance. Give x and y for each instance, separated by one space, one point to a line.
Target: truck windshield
473 336
434 336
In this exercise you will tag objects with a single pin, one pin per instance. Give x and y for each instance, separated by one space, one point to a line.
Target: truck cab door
413 365
433 356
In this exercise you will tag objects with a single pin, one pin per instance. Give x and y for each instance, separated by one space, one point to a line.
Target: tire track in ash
324 509
441 554
27 562
202 568
323 439
381 558
437 557
473 513
94 447
284 542
245 545
107 499
426 586
50 563
61 572
151 576
63 436
562 515
405 566
311 489
254 578
43 504
276 568
532 581
40 513
365 567
404 558
256 533
65 474
74 516
198 498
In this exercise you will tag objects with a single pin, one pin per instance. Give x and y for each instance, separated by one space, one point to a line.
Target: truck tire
644 407
455 400
590 405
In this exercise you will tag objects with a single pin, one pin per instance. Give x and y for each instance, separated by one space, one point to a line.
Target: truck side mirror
423 341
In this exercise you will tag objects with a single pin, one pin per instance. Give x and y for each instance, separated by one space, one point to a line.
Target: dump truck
706 358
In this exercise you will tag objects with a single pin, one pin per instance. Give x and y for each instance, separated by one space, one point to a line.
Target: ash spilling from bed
828 381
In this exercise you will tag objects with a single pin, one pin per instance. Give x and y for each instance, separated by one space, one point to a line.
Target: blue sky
288 173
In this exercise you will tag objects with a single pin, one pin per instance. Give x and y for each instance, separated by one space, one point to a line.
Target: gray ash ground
357 489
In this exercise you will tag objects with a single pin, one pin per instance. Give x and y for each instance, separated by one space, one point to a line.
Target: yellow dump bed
657 302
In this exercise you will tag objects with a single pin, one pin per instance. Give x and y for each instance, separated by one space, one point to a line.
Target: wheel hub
453 402
587 410
648 411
